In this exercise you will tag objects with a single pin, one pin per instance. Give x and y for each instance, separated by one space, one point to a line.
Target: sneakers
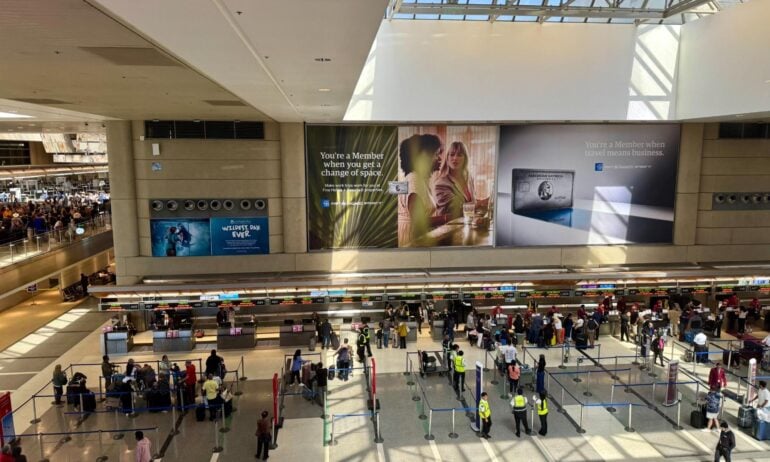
705 429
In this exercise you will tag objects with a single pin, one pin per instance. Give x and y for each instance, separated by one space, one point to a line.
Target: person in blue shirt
296 367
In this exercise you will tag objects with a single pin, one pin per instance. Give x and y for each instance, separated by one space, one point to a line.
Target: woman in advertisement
172 238
452 186
419 156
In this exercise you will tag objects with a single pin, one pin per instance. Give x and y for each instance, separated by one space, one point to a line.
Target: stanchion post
581 429
599 359
217 447
628 381
42 451
133 413
629 428
243 370
378 436
615 372
101 394
562 400
34 411
238 391
117 435
730 356
102 457
577 378
678 425
331 434
158 454
452 434
494 377
588 385
430 436
697 393
652 401
635 362
563 346
694 359
174 430
82 409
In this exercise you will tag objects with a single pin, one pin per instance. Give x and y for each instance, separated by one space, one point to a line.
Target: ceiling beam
534 10
683 6
563 5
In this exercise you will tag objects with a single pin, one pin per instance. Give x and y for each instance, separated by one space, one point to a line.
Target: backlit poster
408 186
586 184
181 237
239 236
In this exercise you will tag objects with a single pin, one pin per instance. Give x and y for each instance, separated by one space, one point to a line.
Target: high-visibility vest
366 333
519 403
459 364
361 340
484 411
542 408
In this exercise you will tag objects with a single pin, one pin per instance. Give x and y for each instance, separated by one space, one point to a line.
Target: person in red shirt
658 307
717 378
581 312
190 380
496 311
622 304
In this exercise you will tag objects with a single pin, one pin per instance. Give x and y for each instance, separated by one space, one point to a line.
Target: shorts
712 415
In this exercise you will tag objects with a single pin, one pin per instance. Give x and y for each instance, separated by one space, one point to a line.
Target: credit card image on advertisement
540 190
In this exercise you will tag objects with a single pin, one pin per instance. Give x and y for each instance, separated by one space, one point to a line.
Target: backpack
592 324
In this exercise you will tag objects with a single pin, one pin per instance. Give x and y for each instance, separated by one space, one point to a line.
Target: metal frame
674 11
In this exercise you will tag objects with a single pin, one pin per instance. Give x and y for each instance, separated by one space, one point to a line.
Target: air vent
40 100
224 102
132 56
740 201
204 129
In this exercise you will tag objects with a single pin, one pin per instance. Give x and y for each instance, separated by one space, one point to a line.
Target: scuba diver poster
182 237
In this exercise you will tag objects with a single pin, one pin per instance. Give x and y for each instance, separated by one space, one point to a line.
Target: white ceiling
264 51
65 50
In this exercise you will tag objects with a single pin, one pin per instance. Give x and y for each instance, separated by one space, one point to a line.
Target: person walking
211 390
214 364
726 443
717 377
106 372
263 436
658 345
514 373
59 380
540 374
485 414
519 404
541 404
674 314
459 382
361 346
296 367
368 340
142 453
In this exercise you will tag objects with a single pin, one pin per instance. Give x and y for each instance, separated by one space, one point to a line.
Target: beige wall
274 168
37 154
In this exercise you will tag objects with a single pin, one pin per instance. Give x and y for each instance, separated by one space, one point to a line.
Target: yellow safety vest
542 408
519 403
484 411
459 366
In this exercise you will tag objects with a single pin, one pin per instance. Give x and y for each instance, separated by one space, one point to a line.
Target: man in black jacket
214 364
726 443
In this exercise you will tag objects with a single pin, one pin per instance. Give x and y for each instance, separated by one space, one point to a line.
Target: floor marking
488 448
696 441
380 452
543 449
751 441
434 449
214 457
327 449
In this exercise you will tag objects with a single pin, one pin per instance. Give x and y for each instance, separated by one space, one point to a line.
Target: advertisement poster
239 236
586 184
410 186
671 388
182 237
7 431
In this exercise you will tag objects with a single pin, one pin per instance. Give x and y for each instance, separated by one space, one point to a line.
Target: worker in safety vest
485 414
459 382
361 346
450 359
519 404
368 338
541 404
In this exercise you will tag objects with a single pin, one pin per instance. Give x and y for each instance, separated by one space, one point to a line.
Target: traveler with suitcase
713 403
296 367
717 377
59 381
326 333
343 362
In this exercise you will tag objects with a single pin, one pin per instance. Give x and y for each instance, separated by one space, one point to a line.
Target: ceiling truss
627 10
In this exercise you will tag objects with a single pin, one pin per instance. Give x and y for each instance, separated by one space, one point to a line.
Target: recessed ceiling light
323 60
13 115
325 90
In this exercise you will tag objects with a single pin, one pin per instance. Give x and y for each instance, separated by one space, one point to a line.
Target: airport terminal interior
384 230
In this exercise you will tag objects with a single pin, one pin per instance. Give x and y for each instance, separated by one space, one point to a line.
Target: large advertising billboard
409 186
586 184
194 237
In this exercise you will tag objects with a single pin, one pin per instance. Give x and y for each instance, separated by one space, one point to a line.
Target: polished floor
416 416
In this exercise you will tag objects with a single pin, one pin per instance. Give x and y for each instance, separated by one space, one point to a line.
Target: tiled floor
402 430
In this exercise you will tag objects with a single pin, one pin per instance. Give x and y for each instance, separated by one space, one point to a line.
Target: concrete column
123 197
292 138
688 184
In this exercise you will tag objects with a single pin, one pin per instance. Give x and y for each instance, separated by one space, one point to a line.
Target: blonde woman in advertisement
453 186
418 159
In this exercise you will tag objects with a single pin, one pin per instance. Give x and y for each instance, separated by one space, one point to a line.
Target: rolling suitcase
746 416
313 341
762 430
335 341
89 402
698 419
687 356
200 413
228 408
330 375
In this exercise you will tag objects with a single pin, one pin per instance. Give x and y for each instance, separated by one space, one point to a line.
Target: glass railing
38 244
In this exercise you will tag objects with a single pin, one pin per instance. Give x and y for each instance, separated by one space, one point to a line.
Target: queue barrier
371 414
67 436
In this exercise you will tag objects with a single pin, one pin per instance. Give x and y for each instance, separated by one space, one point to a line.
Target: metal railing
38 244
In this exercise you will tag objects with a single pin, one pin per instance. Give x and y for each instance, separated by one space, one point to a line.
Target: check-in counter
296 335
118 342
173 340
437 330
237 338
